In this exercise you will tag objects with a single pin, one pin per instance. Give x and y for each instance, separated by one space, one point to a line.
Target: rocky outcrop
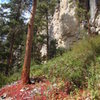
95 16
97 24
64 26
93 9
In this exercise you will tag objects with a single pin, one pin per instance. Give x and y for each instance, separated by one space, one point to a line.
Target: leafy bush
74 65
3 80
94 79
36 70
16 76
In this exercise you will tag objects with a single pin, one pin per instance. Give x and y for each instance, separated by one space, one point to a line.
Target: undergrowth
80 66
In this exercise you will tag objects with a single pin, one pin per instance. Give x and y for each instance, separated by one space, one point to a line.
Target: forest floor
40 90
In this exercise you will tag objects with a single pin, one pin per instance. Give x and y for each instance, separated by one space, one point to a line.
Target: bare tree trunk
10 54
11 51
47 35
27 59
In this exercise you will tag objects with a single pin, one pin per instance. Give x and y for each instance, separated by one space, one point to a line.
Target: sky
27 14
4 1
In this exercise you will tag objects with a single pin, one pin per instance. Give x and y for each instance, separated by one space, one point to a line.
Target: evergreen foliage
80 65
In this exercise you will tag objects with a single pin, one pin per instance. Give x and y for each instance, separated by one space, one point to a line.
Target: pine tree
46 9
13 28
27 60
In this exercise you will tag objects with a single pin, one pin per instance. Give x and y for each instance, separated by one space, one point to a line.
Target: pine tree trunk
27 59
11 50
10 55
47 35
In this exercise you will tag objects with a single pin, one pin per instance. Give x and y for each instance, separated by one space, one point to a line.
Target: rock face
64 26
97 24
93 9
95 16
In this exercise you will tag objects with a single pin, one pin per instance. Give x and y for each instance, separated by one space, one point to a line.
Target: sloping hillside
76 72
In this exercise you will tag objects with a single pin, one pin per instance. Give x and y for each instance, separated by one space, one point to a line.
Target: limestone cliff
64 26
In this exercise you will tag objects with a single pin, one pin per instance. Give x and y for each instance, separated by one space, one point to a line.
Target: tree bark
47 34
11 51
27 59
10 54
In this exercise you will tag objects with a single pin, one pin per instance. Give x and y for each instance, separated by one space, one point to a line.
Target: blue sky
27 14
4 1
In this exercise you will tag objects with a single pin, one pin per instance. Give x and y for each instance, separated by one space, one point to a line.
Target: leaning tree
27 59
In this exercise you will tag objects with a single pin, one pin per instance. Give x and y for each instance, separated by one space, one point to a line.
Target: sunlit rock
64 26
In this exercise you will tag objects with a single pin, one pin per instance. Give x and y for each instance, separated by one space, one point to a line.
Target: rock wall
95 16
64 26
93 9
97 24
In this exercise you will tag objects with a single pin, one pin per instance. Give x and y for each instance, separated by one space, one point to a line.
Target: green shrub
94 79
16 76
36 70
3 80
74 65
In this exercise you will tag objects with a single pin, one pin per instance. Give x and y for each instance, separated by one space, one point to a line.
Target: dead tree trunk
27 59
